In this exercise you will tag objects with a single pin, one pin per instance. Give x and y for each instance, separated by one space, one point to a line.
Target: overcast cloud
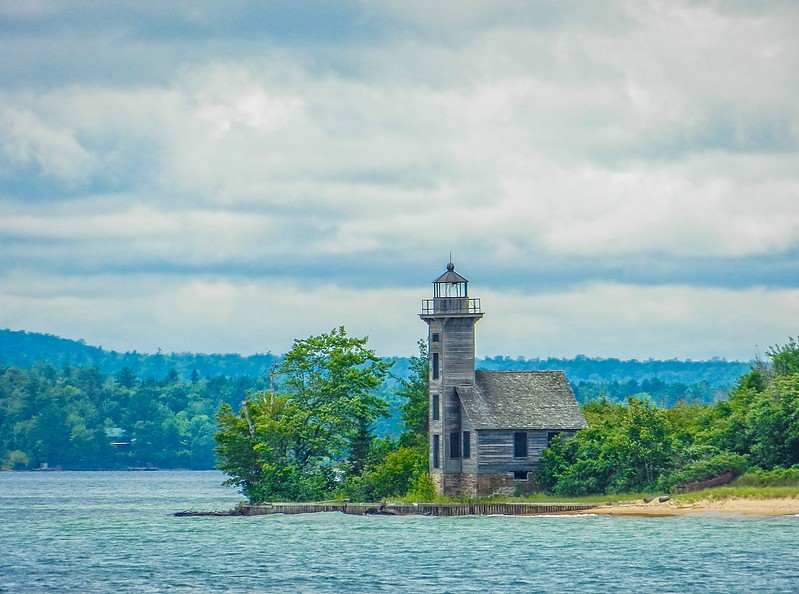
614 178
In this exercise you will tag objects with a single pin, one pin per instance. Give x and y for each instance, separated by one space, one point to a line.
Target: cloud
555 149
215 314
52 150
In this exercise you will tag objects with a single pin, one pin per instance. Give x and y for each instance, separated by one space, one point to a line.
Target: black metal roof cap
450 276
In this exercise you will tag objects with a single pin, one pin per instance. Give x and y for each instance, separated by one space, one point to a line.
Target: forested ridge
25 349
67 404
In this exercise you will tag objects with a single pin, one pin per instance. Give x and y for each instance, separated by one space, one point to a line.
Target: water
113 532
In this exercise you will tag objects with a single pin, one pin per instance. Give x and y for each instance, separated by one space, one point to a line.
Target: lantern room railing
450 305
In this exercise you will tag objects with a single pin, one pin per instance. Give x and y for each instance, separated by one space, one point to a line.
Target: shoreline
729 505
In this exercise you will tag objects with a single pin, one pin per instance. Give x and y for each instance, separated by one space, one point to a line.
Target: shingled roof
521 400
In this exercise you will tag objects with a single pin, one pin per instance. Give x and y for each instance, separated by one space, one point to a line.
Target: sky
614 178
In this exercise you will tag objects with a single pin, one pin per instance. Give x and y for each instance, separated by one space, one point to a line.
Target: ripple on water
114 532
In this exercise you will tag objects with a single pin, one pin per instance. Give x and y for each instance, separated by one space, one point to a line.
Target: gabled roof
521 400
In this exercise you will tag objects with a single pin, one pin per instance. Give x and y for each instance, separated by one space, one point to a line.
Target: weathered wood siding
455 349
496 451
469 465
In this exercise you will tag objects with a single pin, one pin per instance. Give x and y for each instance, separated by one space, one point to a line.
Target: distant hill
715 372
25 349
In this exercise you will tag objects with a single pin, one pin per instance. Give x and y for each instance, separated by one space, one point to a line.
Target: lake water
113 532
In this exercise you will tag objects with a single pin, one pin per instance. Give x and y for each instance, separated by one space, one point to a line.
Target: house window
520 444
434 365
551 435
467 444
519 475
436 451
435 337
436 407
455 444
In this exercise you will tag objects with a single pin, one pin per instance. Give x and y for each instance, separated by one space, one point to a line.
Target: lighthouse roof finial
450 276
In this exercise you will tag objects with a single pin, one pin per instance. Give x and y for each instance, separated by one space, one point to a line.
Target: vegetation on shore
76 418
310 436
309 429
636 446
630 447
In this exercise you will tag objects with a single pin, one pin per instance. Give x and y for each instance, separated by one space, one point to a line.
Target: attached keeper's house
487 428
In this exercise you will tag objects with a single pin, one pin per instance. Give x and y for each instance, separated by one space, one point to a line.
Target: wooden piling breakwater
402 509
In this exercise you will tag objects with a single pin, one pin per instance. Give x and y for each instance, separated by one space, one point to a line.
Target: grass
532 498
714 494
747 486
719 493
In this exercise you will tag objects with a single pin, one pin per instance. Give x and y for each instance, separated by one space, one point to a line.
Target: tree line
663 380
636 446
76 418
332 419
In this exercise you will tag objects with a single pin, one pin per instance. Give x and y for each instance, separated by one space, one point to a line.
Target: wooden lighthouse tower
487 428
451 316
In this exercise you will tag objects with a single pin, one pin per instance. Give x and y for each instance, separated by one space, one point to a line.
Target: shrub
778 477
706 468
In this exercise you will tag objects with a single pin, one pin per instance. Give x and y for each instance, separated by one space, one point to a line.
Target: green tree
397 468
626 447
294 444
261 449
785 358
415 408
332 378
773 424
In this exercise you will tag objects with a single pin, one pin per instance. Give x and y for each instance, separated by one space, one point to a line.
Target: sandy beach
672 507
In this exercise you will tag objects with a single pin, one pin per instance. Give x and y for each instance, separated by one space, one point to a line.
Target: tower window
455 444
436 451
435 337
467 444
434 365
436 407
520 444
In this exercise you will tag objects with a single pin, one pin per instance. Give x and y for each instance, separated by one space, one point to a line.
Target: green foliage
414 390
401 468
315 440
785 358
777 477
396 473
332 378
639 447
15 460
79 419
262 450
720 493
625 448
706 465
293 445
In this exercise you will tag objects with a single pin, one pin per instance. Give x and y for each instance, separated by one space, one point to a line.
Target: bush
15 460
706 468
778 477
